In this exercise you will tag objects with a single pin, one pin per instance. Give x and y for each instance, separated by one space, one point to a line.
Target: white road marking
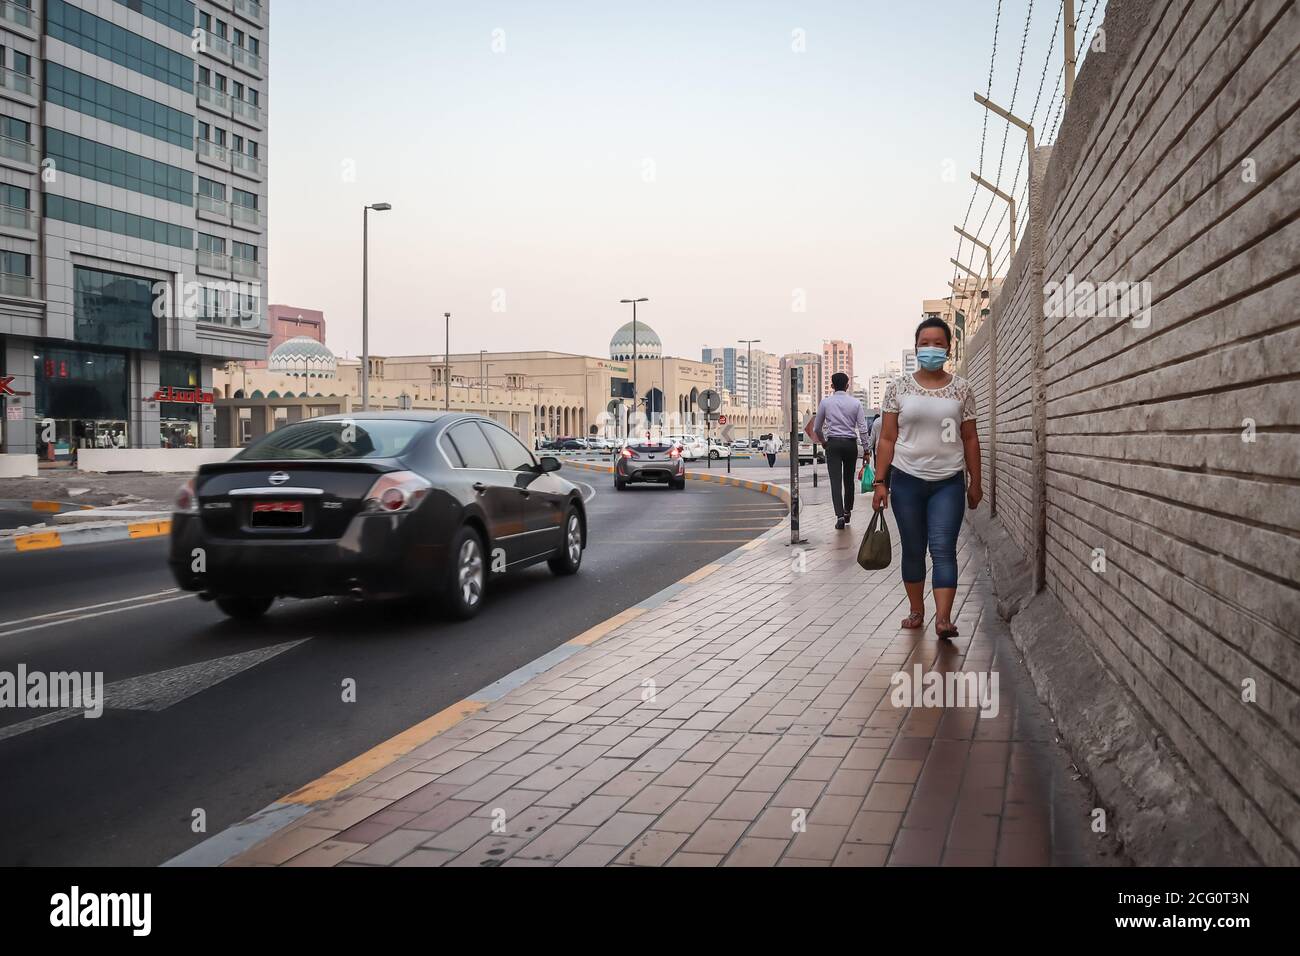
84 617
162 689
88 607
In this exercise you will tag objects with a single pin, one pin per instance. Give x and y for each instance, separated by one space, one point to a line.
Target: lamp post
636 394
446 362
482 395
365 300
749 377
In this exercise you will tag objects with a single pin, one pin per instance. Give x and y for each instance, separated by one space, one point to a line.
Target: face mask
931 358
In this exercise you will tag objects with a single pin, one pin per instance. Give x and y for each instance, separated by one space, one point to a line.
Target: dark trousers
771 460
841 456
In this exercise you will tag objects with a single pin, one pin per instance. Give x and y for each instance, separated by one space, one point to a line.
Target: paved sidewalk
745 721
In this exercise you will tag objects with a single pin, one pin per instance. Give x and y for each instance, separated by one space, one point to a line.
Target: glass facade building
133 221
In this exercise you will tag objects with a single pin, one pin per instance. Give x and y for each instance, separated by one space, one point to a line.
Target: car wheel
466 577
714 454
620 484
678 484
244 608
570 557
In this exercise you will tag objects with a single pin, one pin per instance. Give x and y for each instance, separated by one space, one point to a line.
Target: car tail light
396 492
628 453
187 502
674 452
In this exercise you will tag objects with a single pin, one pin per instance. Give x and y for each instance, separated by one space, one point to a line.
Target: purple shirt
840 415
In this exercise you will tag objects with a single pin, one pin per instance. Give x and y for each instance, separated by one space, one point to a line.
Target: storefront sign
15 413
6 386
185 396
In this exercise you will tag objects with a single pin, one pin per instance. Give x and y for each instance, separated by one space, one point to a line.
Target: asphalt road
122 789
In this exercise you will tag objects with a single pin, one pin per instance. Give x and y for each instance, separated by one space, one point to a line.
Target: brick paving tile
756 851
654 799
817 842
742 805
424 857
652 848
917 848
711 789
685 817
682 774
628 783
715 836
800 861
594 811
861 854
285 845
426 798
874 826
888 796
444 815
555 842
329 853
591 854
775 823
390 848
696 859
621 829
767 779
798 793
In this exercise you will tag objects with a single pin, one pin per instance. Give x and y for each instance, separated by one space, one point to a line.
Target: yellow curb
378 757
149 529
592 635
700 575
37 541
46 506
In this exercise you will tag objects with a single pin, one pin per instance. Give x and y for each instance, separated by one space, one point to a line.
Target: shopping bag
874 552
868 479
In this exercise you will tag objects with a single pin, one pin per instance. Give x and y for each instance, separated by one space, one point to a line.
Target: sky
787 171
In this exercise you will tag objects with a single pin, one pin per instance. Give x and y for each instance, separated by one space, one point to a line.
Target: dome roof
301 354
647 342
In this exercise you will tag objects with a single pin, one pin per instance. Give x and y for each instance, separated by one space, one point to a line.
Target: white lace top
929 442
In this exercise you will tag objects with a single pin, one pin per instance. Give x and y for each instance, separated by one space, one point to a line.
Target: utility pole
446 362
365 299
482 393
636 394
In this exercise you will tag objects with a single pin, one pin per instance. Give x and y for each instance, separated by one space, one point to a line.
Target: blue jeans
928 513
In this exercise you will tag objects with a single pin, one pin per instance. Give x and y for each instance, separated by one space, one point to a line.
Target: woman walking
928 445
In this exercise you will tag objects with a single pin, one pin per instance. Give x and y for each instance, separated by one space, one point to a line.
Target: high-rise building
837 356
132 217
808 379
965 310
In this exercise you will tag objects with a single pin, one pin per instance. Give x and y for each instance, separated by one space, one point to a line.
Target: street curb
48 540
55 507
222 847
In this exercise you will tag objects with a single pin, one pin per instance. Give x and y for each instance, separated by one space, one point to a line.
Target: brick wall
1176 165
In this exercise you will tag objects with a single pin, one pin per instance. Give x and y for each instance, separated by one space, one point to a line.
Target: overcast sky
732 161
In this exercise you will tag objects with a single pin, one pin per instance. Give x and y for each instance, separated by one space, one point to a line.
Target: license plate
277 514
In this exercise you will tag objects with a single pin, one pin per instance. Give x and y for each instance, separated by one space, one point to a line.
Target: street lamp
749 377
446 362
636 394
365 300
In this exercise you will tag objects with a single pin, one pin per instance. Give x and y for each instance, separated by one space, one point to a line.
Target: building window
105 39
117 167
118 221
116 105
109 308
243 250
177 14
212 189
15 197
178 422
242 197
212 244
15 129
16 263
84 394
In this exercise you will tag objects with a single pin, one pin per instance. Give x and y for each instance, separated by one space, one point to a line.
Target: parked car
378 503
807 455
650 460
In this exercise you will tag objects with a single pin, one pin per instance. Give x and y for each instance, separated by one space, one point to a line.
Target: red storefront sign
185 396
6 386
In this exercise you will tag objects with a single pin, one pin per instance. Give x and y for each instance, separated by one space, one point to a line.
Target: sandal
914 620
945 633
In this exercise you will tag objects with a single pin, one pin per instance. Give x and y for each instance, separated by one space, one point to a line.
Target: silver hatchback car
652 460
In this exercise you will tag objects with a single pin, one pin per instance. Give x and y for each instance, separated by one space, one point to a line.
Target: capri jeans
928 514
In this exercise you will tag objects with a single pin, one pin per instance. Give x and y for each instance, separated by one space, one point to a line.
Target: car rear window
651 448
327 440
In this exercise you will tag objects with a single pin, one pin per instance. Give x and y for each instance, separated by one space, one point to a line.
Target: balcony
17 82
248 165
17 150
16 14
213 44
212 153
213 98
245 268
247 60
218 208
246 217
12 217
249 10
213 262
246 112
13 285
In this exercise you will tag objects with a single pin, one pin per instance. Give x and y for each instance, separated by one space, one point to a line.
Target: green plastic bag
868 479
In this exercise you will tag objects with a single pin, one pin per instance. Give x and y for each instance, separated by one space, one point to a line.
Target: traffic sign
722 419
710 401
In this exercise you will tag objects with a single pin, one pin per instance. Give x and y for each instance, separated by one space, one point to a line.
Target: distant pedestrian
928 445
839 425
772 448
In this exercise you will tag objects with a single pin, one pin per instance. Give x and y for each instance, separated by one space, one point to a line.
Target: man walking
839 424
772 448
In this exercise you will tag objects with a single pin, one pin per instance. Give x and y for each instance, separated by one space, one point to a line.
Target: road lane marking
593 634
86 617
88 607
700 575
161 689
